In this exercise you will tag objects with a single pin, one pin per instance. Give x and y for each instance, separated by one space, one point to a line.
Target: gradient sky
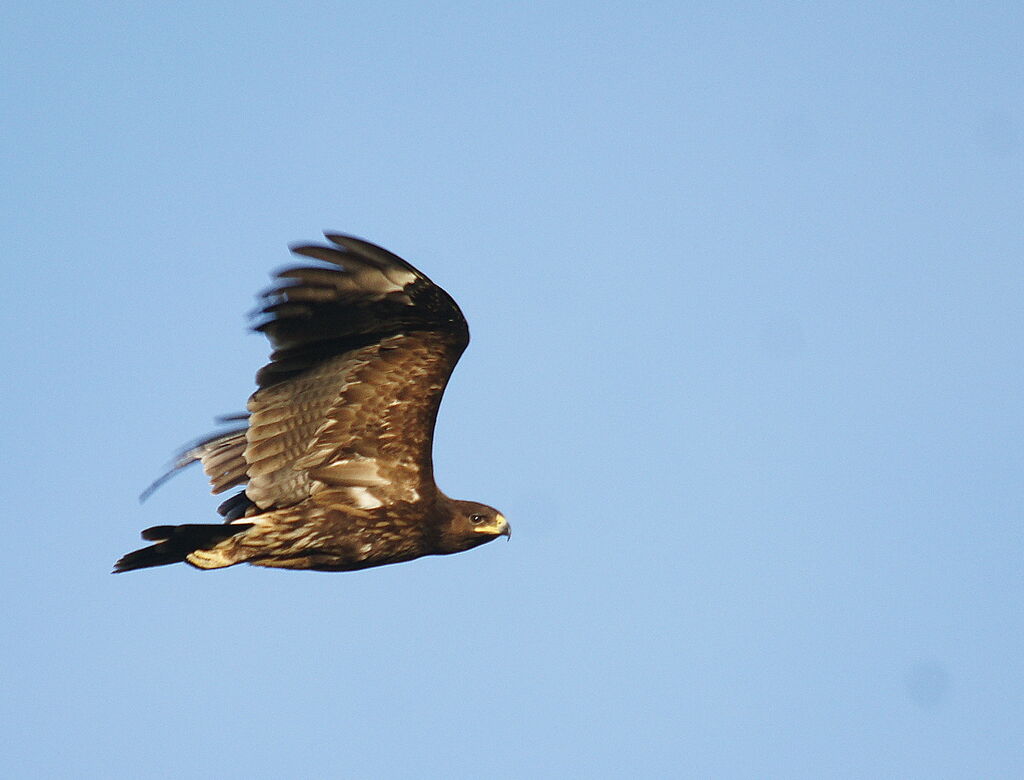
745 285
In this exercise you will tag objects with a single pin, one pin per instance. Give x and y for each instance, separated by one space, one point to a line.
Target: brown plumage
334 455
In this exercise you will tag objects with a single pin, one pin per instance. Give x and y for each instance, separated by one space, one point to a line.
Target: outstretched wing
364 345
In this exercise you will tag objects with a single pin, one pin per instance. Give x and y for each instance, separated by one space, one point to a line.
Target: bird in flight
334 457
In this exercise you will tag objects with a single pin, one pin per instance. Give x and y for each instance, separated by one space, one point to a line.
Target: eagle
334 456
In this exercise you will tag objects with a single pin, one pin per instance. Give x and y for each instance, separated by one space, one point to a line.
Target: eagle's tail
176 542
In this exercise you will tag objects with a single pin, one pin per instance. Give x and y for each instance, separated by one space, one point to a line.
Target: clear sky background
745 285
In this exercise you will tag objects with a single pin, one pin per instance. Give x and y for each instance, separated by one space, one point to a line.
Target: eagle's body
334 457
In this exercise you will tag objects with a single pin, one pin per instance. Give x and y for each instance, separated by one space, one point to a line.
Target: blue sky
744 283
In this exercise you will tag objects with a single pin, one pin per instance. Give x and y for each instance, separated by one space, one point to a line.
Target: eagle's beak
497 527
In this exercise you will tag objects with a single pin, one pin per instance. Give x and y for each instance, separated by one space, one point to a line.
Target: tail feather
175 543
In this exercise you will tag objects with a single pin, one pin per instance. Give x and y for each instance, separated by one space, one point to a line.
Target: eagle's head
471 524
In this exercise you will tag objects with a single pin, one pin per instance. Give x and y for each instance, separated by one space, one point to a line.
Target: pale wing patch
356 470
362 498
354 478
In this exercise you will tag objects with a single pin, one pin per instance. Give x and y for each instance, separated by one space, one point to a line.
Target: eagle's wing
363 348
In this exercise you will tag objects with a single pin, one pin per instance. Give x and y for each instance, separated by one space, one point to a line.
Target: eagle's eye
477 519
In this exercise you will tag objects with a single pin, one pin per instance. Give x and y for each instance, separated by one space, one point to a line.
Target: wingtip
374 253
338 238
145 494
356 246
